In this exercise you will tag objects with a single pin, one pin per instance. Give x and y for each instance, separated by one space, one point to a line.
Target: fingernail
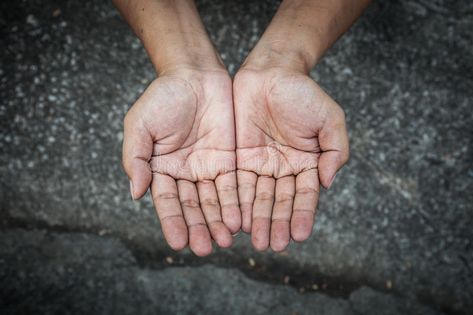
331 181
132 191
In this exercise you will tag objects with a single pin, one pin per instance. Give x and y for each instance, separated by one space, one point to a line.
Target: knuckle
246 206
284 197
166 195
282 219
170 217
214 223
190 203
264 196
304 211
306 191
249 186
210 202
205 182
226 188
230 205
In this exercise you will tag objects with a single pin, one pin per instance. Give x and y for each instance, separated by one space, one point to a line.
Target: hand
290 136
179 137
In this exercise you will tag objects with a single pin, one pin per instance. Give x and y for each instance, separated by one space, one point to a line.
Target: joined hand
220 156
180 138
290 134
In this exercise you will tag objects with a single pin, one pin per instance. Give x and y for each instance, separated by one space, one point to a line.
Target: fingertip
259 245
199 240
202 250
221 234
300 235
178 242
246 194
140 179
327 173
226 185
331 181
232 218
175 232
138 193
246 227
279 235
279 246
329 164
260 234
225 240
326 180
301 227
136 152
234 228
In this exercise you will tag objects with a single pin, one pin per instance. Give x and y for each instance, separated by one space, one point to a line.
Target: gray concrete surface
77 273
394 235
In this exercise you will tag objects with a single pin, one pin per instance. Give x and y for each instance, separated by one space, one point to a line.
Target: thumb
137 150
333 140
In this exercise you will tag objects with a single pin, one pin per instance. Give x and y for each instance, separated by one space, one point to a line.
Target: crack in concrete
273 274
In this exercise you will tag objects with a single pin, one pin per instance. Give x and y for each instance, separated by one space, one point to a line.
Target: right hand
179 138
291 136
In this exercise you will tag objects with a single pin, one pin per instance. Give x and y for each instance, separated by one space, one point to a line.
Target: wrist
298 35
287 44
187 59
301 31
182 48
172 33
278 54
195 76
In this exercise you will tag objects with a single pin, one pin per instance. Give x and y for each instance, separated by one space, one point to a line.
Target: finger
333 139
262 209
227 194
211 209
199 236
137 150
305 202
166 202
246 195
282 210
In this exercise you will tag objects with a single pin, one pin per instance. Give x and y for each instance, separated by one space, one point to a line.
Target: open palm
179 137
291 136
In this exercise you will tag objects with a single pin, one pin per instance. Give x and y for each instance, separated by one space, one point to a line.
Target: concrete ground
393 236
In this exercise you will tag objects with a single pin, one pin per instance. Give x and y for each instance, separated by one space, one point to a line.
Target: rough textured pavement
393 236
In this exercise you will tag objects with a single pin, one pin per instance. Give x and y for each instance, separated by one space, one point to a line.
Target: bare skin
290 133
182 141
179 135
291 136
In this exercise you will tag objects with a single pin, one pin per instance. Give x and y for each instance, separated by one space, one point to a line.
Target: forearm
301 32
171 32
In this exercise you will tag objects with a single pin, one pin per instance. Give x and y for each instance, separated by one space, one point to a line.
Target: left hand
180 139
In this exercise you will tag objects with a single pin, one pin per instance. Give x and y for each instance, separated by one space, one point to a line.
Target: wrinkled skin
291 136
179 138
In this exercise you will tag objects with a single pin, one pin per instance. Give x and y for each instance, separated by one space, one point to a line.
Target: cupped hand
179 138
291 136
